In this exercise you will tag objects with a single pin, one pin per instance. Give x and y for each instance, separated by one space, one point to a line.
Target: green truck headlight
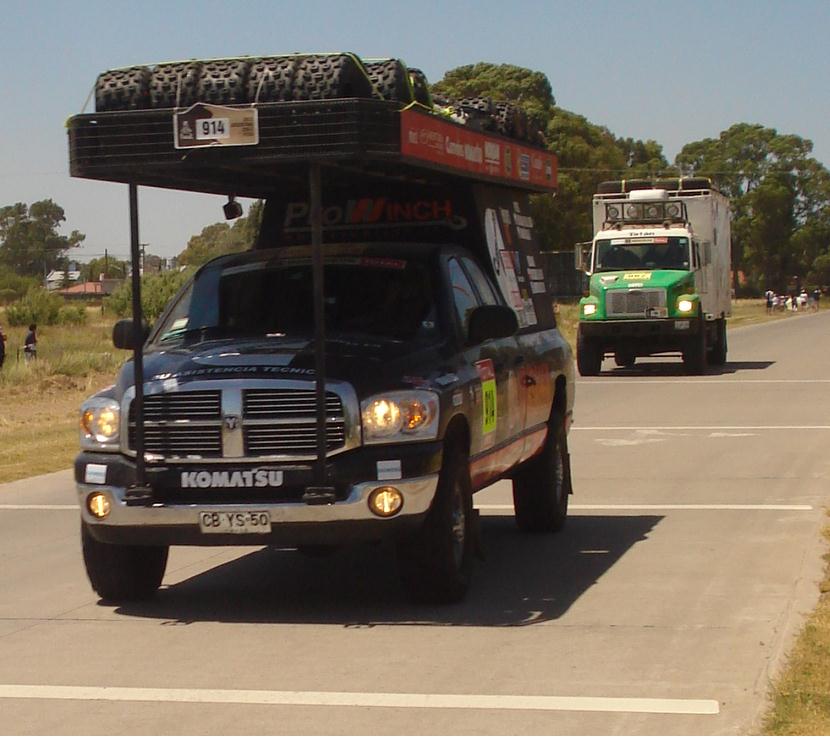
589 309
685 305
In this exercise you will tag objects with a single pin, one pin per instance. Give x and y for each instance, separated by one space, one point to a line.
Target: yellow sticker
636 276
489 413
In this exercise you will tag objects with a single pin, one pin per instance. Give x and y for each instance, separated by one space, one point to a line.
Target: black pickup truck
444 369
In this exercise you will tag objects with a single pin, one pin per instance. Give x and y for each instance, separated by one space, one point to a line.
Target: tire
330 76
123 572
123 89
717 356
611 186
435 563
480 112
588 356
694 354
224 82
271 79
175 85
511 120
390 79
624 358
420 87
542 486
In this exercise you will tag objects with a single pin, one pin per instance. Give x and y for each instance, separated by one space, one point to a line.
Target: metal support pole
318 273
138 341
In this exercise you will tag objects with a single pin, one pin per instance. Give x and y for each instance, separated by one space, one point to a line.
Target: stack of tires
298 77
234 82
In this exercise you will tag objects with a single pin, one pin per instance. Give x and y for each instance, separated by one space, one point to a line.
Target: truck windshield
614 254
383 298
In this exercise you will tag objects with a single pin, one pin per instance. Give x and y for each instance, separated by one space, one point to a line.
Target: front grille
634 301
279 403
181 441
281 422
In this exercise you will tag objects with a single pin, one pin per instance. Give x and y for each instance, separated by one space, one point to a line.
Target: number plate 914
241 523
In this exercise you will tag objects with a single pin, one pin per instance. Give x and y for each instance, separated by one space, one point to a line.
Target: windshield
642 253
378 297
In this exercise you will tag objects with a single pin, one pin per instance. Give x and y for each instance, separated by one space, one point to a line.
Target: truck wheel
542 485
625 358
123 572
717 357
435 564
694 354
123 89
420 87
588 356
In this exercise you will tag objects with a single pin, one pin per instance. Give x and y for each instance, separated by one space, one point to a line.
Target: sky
671 72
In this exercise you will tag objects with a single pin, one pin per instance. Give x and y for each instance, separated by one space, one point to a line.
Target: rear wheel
542 485
436 563
588 356
123 572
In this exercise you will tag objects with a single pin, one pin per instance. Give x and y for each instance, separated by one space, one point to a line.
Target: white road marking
60 507
681 507
635 380
739 428
378 700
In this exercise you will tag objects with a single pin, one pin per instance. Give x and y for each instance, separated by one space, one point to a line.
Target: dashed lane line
361 699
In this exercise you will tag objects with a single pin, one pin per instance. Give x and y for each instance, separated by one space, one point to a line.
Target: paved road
691 554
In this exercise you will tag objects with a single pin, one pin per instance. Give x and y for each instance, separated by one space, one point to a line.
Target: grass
800 702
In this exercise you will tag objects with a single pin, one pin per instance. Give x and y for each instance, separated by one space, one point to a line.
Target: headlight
100 423
589 309
685 305
400 416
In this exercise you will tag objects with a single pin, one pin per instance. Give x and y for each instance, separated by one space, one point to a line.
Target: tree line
779 193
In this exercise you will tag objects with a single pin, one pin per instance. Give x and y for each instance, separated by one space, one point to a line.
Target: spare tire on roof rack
271 79
390 78
175 85
511 120
696 183
224 82
329 76
420 87
123 89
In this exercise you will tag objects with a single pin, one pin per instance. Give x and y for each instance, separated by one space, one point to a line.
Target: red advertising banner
428 138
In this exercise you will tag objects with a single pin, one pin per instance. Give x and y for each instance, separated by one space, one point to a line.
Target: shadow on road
523 579
661 368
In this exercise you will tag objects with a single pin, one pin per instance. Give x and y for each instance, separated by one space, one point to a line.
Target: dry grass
801 694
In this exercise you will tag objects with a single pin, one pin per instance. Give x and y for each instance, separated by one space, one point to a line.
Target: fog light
386 501
98 505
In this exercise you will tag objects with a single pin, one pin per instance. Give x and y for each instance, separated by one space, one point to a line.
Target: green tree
112 268
156 291
29 239
587 153
780 199
221 238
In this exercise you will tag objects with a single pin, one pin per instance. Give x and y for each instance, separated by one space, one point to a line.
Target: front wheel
695 351
588 356
436 563
717 357
542 485
123 572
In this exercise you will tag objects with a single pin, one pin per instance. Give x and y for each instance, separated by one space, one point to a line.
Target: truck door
497 423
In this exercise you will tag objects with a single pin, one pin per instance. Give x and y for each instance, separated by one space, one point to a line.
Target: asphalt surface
691 555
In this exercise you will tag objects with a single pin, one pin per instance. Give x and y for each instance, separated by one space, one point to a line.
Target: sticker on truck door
489 413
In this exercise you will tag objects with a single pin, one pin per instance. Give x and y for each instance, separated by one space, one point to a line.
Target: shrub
38 306
72 315
156 291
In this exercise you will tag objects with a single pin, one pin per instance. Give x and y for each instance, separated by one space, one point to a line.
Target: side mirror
582 256
122 334
491 321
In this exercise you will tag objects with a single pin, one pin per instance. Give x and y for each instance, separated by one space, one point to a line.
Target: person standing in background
30 344
2 347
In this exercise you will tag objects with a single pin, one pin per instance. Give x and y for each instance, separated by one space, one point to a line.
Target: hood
671 280
369 365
